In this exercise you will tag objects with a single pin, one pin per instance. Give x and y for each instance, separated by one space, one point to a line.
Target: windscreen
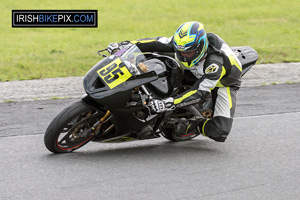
132 57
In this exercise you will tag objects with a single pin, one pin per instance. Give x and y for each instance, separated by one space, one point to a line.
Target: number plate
114 74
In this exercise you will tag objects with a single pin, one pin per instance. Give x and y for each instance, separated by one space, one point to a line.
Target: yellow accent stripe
186 64
142 41
200 27
179 100
234 62
109 78
229 97
219 81
204 126
186 131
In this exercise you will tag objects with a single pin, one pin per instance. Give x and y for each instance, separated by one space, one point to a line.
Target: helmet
190 42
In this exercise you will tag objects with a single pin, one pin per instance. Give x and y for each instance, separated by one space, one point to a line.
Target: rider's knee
217 128
217 134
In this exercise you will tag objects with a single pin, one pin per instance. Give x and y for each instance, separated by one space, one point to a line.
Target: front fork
97 126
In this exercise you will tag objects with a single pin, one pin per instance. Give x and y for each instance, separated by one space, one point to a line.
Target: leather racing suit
219 74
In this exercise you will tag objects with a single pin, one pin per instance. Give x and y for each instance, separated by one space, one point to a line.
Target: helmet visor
188 54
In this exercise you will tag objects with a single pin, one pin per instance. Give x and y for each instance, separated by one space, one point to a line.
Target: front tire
68 131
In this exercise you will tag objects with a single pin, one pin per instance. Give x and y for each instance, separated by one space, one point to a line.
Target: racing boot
196 124
191 125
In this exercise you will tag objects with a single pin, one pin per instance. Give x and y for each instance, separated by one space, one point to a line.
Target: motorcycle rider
215 66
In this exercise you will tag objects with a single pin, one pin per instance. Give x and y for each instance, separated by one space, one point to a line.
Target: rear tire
68 130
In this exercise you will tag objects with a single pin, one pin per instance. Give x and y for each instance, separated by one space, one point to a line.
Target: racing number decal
114 74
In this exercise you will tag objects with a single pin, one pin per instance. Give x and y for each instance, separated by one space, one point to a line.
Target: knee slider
219 136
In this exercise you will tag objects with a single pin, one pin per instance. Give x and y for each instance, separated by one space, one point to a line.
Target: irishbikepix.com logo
55 18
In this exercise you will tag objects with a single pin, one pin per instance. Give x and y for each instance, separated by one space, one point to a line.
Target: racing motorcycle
116 106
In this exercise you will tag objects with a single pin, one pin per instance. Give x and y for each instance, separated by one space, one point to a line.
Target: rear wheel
71 128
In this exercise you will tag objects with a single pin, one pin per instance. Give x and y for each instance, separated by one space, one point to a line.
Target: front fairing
111 80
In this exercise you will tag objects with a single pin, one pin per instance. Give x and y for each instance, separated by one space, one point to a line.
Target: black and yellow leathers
219 73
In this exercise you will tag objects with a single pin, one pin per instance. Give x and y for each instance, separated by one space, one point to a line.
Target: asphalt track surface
260 159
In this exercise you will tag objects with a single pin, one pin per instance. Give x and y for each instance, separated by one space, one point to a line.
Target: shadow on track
143 151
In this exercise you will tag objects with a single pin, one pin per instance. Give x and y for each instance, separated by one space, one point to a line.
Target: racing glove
114 47
159 106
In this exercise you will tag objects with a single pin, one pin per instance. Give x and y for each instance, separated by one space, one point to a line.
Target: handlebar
99 52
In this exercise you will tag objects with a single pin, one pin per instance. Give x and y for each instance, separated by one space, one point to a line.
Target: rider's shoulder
215 40
213 58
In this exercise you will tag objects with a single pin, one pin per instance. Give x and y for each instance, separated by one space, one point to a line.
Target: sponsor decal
188 103
180 47
54 18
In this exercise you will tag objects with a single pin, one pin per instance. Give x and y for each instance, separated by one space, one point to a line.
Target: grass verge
271 27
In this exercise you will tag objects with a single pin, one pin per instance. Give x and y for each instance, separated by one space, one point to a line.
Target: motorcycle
116 106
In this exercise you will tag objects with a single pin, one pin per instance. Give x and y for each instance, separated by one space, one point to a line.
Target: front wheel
70 129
